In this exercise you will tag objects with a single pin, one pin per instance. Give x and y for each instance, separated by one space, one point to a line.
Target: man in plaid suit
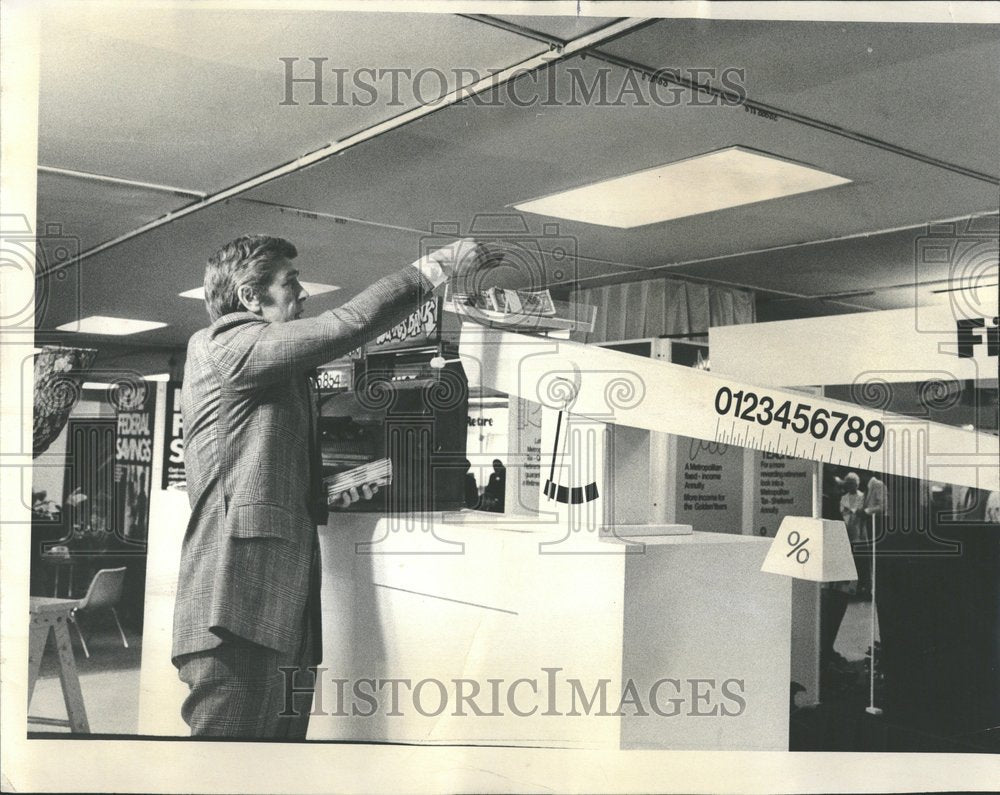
248 592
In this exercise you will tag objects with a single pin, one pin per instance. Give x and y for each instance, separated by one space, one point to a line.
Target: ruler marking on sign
680 400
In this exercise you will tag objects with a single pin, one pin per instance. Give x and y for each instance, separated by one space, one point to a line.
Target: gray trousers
238 690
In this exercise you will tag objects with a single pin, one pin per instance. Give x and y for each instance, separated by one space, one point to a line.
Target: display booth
602 607
936 547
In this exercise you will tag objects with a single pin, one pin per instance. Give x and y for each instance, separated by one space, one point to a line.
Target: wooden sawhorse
51 616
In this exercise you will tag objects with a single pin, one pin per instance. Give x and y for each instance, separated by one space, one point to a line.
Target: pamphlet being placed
520 302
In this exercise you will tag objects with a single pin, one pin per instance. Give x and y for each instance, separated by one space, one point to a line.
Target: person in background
496 488
836 595
852 504
471 487
247 601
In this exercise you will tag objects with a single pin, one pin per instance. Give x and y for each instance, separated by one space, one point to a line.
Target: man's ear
247 296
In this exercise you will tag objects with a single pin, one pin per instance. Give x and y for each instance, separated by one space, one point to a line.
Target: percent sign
798 547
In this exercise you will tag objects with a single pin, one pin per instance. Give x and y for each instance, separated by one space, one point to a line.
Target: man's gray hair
249 260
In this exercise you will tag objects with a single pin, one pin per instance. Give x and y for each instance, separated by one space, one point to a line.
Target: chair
105 591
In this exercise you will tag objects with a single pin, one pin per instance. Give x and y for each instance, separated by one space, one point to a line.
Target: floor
110 678
109 681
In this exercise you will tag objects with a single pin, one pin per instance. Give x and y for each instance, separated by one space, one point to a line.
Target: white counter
495 602
492 602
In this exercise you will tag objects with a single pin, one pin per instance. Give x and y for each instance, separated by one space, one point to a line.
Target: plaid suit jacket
248 557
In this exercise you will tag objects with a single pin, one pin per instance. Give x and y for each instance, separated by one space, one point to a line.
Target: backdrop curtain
658 307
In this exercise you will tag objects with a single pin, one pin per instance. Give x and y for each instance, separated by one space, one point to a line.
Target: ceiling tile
468 160
91 211
193 98
180 99
932 88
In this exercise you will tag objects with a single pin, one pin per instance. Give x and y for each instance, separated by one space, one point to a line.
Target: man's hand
460 262
351 496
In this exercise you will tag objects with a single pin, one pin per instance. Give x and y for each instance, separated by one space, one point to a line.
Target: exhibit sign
708 485
136 413
421 326
784 488
912 344
174 476
617 388
525 443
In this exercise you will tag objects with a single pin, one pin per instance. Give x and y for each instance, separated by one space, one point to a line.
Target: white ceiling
190 100
930 88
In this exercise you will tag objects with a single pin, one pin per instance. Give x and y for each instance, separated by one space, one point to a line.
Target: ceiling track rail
735 99
129 183
799 118
541 60
634 272
665 271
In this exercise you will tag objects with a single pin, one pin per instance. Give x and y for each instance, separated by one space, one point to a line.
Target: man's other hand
352 495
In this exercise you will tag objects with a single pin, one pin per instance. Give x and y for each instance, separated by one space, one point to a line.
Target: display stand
517 602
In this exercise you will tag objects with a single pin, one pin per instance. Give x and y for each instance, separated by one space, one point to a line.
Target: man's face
284 297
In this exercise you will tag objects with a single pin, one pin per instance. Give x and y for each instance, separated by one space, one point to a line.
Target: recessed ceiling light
313 288
101 324
703 184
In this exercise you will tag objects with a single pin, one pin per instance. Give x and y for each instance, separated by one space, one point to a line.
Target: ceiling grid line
787 247
498 78
734 98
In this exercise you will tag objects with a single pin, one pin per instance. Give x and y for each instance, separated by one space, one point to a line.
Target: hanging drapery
658 307
58 379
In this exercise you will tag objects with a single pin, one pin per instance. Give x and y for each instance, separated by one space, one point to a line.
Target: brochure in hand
378 472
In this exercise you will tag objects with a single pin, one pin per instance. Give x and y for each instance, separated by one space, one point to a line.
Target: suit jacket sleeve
250 355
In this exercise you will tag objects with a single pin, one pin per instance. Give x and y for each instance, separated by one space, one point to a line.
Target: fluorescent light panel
117 326
716 181
313 288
